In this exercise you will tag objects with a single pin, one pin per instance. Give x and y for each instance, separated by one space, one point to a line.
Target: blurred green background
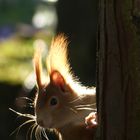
23 25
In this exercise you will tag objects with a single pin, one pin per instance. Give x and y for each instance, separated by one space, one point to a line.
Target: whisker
29 105
73 110
86 105
31 134
36 133
25 98
18 128
85 108
39 133
44 134
41 129
23 115
75 100
29 130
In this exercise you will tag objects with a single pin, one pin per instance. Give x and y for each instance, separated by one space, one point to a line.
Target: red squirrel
62 102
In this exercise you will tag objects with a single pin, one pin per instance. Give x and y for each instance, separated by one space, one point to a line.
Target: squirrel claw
91 120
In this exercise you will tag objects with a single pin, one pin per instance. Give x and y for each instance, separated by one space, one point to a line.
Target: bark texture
119 70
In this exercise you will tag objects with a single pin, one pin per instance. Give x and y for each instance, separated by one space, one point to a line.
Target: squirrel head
52 103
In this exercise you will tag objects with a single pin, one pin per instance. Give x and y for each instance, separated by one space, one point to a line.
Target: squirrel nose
40 122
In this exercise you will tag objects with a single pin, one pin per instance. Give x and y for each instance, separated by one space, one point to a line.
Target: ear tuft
38 67
57 79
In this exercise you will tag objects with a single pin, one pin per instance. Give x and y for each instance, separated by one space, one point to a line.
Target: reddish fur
38 67
62 85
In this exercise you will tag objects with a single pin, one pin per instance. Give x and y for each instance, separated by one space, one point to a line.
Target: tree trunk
118 89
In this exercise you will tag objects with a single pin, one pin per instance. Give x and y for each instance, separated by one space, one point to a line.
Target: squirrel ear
57 79
38 67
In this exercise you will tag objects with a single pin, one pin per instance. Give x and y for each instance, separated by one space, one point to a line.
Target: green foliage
15 60
14 11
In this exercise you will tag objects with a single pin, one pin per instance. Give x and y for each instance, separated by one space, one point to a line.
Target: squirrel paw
91 120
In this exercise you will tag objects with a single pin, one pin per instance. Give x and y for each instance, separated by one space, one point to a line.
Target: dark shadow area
18 33
8 93
78 20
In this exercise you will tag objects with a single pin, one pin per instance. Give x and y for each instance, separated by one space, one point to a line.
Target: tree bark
118 89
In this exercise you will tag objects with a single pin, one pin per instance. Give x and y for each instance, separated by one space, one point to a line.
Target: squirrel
62 102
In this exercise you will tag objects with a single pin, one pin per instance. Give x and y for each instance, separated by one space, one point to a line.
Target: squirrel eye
53 101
